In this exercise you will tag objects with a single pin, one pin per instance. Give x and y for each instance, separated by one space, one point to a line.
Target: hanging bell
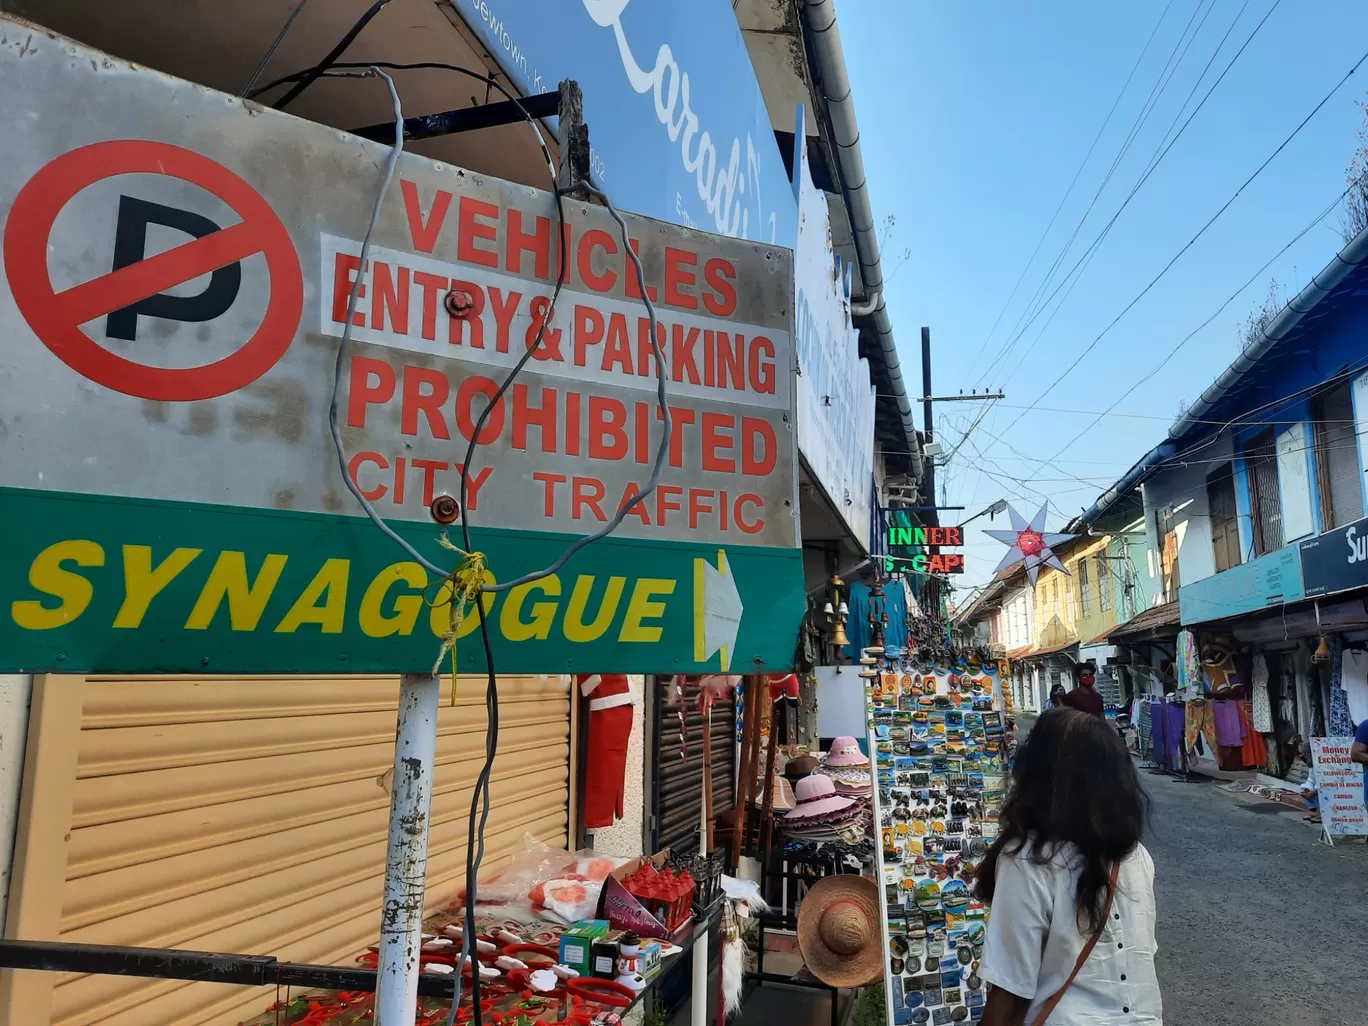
1322 653
838 637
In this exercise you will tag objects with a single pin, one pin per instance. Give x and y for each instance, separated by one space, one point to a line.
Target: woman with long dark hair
1070 936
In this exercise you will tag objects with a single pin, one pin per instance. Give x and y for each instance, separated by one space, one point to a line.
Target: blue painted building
1255 503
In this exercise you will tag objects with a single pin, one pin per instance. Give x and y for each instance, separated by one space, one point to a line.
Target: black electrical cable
1200 232
489 80
1065 198
1174 351
1083 261
475 842
270 50
313 74
1032 310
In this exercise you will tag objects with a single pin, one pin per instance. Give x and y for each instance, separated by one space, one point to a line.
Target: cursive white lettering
719 192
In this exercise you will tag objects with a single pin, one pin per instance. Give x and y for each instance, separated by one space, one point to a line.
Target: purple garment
1229 728
1158 748
1175 724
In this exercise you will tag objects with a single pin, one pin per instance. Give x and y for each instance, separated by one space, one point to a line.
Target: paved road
1259 923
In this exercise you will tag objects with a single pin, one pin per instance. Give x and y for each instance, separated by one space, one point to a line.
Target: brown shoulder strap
1049 1006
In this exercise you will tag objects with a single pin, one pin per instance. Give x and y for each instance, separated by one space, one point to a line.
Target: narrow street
1259 922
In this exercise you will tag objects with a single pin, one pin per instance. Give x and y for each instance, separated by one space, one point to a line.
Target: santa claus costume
610 728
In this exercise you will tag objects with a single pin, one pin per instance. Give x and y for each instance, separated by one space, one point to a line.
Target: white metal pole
401 919
698 1003
698 1000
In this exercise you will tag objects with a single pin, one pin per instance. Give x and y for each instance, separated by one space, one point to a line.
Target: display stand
937 728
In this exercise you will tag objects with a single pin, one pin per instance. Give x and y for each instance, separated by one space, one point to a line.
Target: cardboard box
650 958
623 911
577 944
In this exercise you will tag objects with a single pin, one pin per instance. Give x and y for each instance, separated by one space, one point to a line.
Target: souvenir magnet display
939 750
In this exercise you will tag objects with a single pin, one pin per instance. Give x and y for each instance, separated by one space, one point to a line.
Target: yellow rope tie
462 588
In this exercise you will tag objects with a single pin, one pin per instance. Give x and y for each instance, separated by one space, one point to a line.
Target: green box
577 942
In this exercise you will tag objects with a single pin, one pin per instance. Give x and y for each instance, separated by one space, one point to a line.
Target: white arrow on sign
717 610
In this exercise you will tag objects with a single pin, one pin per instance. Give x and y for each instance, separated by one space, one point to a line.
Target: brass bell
838 637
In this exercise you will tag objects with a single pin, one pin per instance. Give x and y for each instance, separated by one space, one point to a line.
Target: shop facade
1252 508
247 811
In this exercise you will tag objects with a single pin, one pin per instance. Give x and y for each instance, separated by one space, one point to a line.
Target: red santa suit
610 727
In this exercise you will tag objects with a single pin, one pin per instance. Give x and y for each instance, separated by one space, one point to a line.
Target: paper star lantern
1030 544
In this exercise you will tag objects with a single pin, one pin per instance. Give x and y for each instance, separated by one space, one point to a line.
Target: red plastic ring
602 992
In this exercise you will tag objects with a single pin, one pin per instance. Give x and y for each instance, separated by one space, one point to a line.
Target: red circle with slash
56 317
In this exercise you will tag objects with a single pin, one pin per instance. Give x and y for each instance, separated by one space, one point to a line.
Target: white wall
840 702
14 707
1017 619
1184 490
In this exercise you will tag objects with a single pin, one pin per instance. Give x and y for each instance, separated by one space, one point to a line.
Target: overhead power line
1202 231
1068 192
1071 279
1216 313
1035 308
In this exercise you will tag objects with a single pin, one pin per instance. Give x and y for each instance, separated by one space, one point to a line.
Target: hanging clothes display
1199 720
1174 727
1254 752
1190 664
857 629
1348 688
1146 729
1229 725
1263 708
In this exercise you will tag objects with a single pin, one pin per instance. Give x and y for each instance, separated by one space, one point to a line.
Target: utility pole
927 420
928 400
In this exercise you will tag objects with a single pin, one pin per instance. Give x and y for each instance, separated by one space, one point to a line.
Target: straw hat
838 931
845 752
814 796
800 767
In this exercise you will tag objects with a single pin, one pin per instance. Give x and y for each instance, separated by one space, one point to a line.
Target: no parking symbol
135 286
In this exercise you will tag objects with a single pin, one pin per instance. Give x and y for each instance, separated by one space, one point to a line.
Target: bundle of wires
331 66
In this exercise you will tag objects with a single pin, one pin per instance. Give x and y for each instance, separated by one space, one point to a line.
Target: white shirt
1034 940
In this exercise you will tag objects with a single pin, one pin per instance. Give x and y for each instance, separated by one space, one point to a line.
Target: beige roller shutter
250 815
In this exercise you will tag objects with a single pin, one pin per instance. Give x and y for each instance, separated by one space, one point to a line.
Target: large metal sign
835 396
177 268
1335 561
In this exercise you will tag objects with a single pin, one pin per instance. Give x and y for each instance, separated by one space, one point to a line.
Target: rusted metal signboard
176 270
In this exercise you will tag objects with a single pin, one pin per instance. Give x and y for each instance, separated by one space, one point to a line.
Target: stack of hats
848 768
819 813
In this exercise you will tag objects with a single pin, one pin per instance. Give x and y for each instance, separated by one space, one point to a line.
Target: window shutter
1262 460
1338 458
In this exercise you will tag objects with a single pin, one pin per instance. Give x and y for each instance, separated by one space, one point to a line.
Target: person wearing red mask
1085 697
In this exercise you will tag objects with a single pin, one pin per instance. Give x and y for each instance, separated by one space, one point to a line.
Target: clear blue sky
974 118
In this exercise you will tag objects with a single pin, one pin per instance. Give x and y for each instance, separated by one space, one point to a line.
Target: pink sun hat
845 752
816 796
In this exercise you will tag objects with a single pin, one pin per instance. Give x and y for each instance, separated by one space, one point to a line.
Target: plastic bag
544 883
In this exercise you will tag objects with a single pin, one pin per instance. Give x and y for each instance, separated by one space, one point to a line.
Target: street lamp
991 511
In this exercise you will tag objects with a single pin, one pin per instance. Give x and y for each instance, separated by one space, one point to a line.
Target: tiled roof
1152 619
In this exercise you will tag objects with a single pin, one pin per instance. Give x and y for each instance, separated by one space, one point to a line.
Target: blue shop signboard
677 125
1270 580
1336 561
